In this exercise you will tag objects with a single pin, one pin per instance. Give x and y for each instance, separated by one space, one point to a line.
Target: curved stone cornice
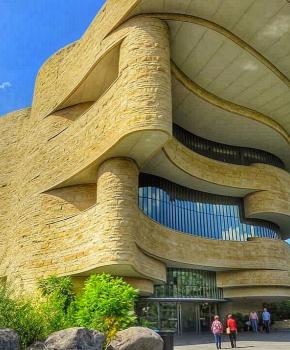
273 293
179 17
225 104
132 118
255 177
270 206
267 186
61 74
169 245
246 278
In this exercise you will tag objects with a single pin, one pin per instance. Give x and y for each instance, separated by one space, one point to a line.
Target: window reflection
189 283
198 213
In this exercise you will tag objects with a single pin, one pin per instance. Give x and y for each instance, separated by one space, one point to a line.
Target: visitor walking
217 329
266 317
253 318
232 330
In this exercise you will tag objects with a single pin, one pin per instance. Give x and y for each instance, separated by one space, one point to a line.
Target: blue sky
30 32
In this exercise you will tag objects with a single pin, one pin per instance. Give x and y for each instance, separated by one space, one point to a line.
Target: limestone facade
102 112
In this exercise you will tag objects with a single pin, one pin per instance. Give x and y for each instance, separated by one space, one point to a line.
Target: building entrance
179 316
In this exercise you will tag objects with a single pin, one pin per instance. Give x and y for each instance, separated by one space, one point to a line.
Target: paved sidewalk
272 341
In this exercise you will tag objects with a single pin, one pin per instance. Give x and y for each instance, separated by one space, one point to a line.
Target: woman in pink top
253 318
217 329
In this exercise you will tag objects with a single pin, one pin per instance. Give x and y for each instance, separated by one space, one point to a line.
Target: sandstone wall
69 171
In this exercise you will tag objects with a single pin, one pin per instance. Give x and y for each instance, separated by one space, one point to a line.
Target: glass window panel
189 283
198 213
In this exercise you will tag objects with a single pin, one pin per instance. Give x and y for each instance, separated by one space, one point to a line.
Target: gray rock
38 345
76 338
9 339
136 338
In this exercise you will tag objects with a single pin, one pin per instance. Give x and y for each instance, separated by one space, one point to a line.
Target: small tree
59 289
57 296
106 304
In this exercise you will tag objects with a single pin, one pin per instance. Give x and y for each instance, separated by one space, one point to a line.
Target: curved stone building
157 148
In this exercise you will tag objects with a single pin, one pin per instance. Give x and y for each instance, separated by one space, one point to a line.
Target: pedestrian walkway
250 341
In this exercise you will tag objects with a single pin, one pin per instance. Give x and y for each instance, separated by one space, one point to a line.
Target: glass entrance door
179 316
207 311
189 317
169 316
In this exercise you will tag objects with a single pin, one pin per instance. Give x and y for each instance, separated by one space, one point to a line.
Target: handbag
228 330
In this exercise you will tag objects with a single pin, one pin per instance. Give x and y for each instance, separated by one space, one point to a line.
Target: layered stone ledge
251 278
57 226
254 283
197 252
265 187
133 117
65 70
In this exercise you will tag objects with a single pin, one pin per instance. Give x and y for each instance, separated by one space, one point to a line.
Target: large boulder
136 338
76 338
9 339
38 345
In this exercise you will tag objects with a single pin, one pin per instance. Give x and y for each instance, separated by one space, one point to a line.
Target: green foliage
58 289
20 315
241 319
279 311
106 304
57 296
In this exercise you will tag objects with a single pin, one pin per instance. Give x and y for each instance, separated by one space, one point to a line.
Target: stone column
117 202
117 191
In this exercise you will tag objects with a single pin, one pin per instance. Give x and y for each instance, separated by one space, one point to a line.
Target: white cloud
278 27
5 85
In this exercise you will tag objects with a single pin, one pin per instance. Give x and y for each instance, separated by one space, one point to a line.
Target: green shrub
21 315
106 304
58 289
57 296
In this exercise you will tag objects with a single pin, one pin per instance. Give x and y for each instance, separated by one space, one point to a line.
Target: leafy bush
241 320
20 315
58 289
57 296
106 304
279 311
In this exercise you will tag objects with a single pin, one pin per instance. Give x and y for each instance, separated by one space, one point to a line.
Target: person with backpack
217 329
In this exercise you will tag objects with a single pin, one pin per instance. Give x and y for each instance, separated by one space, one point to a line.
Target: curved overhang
168 245
219 122
236 78
61 75
131 118
270 206
266 189
226 56
231 60
270 294
244 278
249 23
